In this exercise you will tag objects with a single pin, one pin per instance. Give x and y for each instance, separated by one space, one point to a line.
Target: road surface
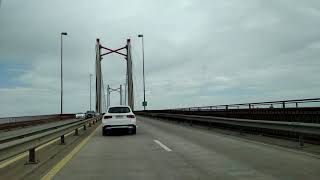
162 150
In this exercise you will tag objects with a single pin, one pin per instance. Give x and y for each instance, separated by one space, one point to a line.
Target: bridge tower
100 100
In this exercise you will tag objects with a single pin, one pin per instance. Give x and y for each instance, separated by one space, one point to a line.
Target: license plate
119 116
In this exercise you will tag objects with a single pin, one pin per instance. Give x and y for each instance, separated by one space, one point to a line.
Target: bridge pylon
100 101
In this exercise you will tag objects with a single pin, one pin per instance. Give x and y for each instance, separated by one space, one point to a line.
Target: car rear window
119 110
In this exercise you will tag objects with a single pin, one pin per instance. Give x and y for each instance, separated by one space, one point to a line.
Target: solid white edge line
162 145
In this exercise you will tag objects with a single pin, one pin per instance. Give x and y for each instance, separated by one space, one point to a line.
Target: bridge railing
29 141
258 111
13 122
295 103
288 129
33 118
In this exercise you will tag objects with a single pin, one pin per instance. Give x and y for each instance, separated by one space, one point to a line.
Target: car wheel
104 133
133 131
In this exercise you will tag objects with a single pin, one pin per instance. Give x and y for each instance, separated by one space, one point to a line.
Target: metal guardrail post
62 142
283 104
76 132
32 156
89 124
84 127
210 125
301 140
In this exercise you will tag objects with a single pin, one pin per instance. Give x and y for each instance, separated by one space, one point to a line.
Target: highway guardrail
267 104
35 131
9 123
295 127
30 143
5 120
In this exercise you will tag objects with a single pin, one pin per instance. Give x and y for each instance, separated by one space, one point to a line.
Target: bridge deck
196 154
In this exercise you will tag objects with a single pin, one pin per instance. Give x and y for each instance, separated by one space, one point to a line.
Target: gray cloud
197 53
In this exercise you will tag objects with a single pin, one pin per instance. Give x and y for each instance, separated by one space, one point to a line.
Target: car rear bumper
129 126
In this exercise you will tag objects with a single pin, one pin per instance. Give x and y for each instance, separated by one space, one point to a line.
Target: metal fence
25 118
33 118
287 129
285 110
29 141
296 103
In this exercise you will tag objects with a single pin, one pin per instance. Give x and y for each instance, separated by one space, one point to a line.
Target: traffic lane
226 157
196 154
121 157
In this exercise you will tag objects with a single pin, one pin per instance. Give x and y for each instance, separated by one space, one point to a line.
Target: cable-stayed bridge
259 140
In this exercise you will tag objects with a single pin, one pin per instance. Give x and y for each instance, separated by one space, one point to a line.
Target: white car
119 117
80 115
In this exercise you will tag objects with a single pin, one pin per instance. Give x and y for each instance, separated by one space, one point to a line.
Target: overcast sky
205 52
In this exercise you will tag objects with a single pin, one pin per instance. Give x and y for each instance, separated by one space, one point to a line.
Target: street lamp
61 76
90 91
144 103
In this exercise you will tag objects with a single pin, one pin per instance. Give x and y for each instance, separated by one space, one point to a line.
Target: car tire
134 131
104 133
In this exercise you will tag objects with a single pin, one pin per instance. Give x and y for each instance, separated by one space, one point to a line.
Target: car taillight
107 117
130 116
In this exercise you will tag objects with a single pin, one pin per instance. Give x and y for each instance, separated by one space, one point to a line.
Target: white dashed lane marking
162 145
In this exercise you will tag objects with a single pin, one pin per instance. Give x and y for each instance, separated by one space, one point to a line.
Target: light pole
90 91
61 76
120 94
108 96
144 103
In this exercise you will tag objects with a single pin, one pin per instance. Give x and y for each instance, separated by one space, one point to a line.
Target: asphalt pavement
163 150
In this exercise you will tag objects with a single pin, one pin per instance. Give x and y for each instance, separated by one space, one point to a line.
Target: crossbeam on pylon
99 82
114 51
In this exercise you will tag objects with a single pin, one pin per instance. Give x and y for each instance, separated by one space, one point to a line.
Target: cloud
197 53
